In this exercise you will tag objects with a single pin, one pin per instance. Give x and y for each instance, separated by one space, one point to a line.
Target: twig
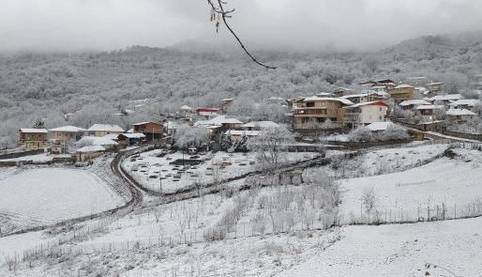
224 14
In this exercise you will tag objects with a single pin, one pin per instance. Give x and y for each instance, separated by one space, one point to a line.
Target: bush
392 133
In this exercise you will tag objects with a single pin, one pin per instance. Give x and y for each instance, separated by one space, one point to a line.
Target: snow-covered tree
269 146
187 137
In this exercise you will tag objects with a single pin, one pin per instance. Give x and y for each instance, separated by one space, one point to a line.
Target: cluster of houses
340 109
88 143
377 103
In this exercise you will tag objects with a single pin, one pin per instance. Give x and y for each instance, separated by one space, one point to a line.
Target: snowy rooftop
429 107
261 124
460 112
68 129
376 103
466 102
133 135
380 126
185 108
339 99
143 123
404 86
96 141
243 133
90 149
447 97
217 121
33 131
105 128
414 102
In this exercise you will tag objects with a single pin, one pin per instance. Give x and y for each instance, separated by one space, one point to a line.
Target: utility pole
160 183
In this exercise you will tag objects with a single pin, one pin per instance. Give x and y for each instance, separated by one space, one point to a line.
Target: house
33 139
237 135
411 104
380 126
171 127
151 130
468 104
100 130
185 110
208 112
130 139
62 137
386 83
435 87
429 110
418 81
341 91
107 141
309 112
88 153
421 92
365 113
259 125
368 96
219 124
460 115
222 122
226 103
402 92
445 99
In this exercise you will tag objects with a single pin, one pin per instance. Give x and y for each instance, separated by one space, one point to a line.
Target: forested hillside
84 88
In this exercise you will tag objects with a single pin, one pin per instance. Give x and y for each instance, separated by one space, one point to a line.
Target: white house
365 113
465 104
412 103
100 130
259 125
460 115
88 153
445 99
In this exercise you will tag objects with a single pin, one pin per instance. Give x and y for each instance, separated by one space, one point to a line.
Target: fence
428 213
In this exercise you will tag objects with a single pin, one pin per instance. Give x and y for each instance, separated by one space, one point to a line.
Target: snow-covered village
236 153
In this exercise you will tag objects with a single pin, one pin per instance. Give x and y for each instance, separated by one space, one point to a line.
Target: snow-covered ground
450 186
40 196
383 161
175 239
155 172
450 248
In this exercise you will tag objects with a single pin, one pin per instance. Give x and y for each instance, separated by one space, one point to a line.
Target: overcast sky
113 24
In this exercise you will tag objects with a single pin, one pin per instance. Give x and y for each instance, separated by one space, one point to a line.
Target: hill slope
94 87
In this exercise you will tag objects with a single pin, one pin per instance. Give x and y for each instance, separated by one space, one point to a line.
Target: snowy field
158 173
446 184
40 196
450 248
383 161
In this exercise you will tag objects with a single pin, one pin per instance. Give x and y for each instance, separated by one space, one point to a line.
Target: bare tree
269 145
220 14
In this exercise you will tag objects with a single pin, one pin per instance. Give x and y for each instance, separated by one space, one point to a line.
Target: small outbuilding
88 153
130 139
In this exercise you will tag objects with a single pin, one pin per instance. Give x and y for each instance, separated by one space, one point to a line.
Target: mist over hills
85 88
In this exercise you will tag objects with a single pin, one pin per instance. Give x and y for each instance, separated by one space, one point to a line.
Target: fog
71 25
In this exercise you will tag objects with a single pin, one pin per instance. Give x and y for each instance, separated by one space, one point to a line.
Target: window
310 104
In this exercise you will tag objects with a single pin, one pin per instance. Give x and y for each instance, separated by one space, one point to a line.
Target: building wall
84 157
402 94
317 111
372 113
103 133
33 141
148 128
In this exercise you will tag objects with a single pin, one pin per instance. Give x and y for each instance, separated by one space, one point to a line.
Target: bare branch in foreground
219 13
